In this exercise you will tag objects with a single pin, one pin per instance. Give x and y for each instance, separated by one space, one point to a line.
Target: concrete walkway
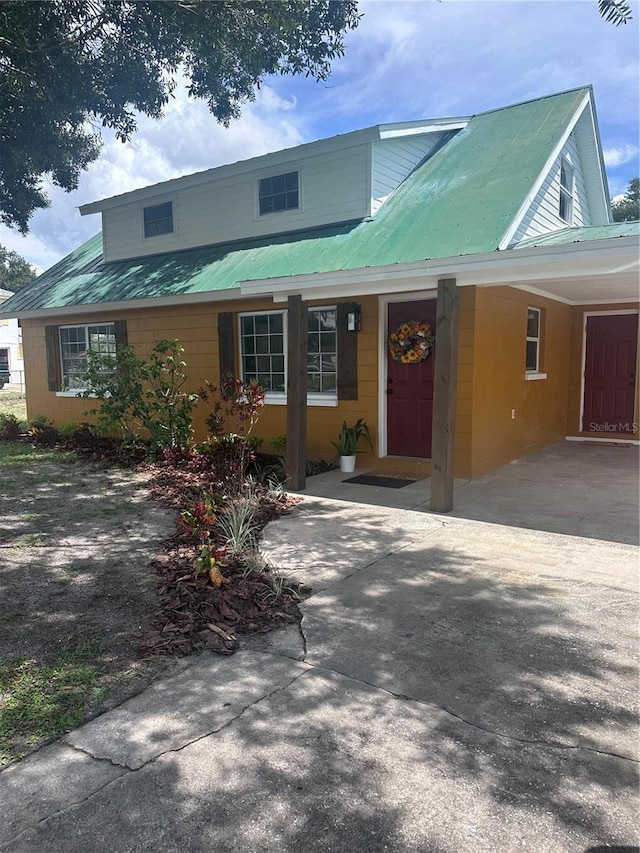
456 686
572 487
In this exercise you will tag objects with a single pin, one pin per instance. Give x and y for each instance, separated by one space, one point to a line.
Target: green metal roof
581 235
459 201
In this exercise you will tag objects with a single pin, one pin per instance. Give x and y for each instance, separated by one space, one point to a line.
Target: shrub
237 527
143 399
236 408
42 431
10 427
279 445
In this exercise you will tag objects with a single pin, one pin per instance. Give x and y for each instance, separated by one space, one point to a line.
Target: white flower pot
347 464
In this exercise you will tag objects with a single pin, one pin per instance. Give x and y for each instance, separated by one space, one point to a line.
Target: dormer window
158 219
566 191
278 193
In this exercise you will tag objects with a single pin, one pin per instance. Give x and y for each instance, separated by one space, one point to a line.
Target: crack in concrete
233 719
130 770
471 724
304 641
75 804
104 758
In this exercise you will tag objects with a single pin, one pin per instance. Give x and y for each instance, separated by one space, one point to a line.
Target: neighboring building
512 204
11 362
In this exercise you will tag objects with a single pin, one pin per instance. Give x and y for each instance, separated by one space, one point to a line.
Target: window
158 219
534 316
263 351
566 191
262 348
76 342
321 364
4 360
278 193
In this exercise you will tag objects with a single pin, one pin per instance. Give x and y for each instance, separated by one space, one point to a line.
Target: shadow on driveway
459 693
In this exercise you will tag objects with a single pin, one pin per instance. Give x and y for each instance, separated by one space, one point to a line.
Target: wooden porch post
444 396
297 330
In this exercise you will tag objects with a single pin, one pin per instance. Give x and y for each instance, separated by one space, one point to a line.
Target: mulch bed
194 612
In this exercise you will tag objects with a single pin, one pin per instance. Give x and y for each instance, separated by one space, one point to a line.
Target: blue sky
408 59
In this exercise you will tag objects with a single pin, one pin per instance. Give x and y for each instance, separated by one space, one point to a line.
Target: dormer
343 179
571 191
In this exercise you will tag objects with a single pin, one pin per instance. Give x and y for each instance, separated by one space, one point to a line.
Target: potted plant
347 443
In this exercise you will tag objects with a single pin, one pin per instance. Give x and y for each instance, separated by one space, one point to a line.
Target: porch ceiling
589 290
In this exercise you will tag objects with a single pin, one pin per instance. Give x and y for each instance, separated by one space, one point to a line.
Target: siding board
543 215
392 160
334 188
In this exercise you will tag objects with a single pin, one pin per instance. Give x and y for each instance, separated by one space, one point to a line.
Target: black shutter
121 333
226 346
347 356
52 345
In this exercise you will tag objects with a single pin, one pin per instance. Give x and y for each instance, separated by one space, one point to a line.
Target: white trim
276 159
383 304
537 292
419 127
534 372
86 327
270 396
538 263
314 400
583 366
604 194
174 220
589 438
288 213
567 192
526 204
612 313
536 375
88 308
535 263
279 398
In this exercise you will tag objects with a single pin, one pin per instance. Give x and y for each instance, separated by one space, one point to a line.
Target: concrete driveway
456 686
577 488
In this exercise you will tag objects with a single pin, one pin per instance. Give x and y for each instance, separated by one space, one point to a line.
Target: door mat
373 480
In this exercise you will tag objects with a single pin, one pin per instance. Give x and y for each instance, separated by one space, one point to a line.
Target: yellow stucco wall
196 327
576 367
491 375
496 365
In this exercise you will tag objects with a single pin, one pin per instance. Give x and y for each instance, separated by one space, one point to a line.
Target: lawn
76 593
12 404
107 573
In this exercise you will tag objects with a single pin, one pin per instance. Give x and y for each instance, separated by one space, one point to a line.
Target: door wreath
411 342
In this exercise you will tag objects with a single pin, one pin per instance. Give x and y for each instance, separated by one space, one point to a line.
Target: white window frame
278 215
285 192
534 372
164 234
567 193
75 390
270 396
279 398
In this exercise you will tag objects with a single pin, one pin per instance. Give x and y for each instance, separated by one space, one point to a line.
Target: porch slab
578 489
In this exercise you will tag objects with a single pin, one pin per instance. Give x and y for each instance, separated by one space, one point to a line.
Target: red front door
410 387
610 373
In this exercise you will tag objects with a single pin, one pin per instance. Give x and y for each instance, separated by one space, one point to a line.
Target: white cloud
406 60
619 156
187 140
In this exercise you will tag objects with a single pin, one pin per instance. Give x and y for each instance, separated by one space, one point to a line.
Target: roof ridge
588 87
